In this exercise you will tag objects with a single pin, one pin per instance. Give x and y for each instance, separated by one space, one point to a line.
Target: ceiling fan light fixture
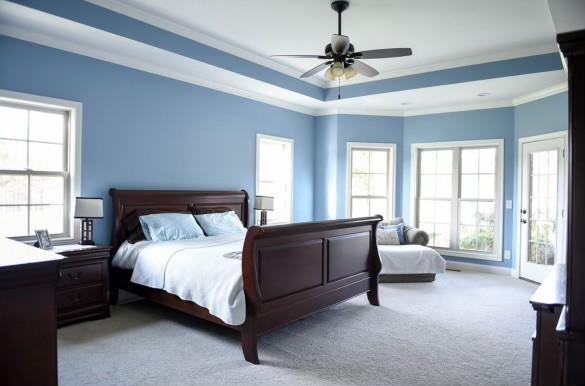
350 72
337 69
329 75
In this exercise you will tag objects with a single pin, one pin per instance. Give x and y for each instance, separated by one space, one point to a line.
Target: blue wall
146 131
325 197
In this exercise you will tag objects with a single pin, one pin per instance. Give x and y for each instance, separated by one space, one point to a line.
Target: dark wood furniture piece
83 285
407 278
28 323
289 271
548 301
567 341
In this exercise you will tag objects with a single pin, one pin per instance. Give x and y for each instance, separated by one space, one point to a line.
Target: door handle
523 221
523 211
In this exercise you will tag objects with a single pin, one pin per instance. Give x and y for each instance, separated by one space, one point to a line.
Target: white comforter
194 270
397 259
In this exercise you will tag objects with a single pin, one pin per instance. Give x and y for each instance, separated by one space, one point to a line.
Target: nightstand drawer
79 297
80 274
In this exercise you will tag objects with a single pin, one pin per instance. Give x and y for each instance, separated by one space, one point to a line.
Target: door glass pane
13 122
14 221
47 189
46 156
12 155
46 126
13 190
47 217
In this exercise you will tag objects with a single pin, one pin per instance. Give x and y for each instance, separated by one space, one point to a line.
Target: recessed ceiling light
484 94
405 103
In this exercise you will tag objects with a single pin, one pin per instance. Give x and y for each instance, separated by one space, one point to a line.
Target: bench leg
250 347
373 297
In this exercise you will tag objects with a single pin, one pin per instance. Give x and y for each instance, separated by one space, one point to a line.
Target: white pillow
170 226
215 224
387 237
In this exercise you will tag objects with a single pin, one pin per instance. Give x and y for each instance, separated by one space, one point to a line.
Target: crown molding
359 111
549 91
459 108
193 34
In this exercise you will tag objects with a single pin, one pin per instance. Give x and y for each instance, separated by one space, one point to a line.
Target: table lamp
88 208
263 203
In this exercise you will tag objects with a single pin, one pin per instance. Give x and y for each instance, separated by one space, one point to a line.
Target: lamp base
87 232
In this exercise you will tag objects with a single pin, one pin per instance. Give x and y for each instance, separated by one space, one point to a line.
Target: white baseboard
478 268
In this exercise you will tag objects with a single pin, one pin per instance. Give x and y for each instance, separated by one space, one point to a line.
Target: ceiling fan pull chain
338 88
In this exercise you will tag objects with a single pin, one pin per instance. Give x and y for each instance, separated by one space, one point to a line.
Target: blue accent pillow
399 228
170 226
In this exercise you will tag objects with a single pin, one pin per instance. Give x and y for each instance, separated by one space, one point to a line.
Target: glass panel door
542 207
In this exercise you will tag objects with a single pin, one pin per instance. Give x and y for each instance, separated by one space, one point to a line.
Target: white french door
542 207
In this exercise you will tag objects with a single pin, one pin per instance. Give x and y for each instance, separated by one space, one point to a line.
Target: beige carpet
464 329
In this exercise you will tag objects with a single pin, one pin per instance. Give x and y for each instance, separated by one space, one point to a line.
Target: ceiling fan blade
339 44
315 70
365 69
302 56
383 53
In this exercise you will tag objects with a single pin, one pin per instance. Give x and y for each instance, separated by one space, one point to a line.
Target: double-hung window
274 175
36 166
458 196
371 179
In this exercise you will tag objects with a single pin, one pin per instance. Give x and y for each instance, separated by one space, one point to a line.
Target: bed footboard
292 271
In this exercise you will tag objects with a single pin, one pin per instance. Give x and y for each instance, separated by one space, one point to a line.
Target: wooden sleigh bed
289 271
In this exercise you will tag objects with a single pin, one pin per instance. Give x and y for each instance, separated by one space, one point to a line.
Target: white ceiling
453 32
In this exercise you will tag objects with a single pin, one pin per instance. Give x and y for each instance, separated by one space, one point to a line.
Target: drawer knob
75 276
75 298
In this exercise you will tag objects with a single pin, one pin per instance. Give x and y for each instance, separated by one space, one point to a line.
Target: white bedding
194 270
402 259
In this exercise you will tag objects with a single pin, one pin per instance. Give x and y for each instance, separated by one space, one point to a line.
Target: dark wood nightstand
82 289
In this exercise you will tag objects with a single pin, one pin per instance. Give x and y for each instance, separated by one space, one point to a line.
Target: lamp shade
264 203
89 207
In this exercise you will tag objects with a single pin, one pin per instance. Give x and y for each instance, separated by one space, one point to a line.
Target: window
458 196
371 179
274 175
36 166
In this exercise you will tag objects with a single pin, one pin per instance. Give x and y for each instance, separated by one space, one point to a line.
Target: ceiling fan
341 58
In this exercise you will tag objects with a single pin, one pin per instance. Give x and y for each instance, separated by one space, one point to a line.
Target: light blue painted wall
364 128
461 126
146 131
542 116
325 197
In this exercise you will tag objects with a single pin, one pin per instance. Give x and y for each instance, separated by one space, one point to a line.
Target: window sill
469 254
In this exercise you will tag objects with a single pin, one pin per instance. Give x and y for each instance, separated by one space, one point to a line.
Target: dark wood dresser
82 290
548 302
28 328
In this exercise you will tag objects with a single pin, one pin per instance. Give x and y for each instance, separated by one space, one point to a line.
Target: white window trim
499 143
74 150
291 141
392 187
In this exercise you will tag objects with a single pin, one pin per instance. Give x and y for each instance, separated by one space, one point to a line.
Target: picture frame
43 239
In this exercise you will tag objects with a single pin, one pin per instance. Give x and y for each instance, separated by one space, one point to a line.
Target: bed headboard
126 202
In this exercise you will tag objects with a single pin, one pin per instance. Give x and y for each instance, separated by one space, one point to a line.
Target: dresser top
17 253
